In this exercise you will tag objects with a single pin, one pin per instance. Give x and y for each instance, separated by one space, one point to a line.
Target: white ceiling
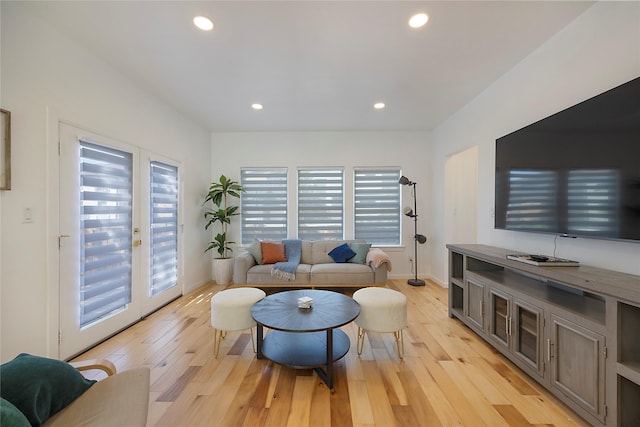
315 65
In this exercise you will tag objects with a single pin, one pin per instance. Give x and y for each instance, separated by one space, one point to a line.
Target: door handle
137 243
60 236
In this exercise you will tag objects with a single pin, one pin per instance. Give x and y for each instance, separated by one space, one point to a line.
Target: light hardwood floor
449 377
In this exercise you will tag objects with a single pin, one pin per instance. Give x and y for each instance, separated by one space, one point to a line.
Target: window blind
105 231
164 227
320 204
377 205
263 205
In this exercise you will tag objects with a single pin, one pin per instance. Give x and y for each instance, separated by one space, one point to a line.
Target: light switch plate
27 216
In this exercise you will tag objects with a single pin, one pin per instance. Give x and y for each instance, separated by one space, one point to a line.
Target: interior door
460 198
98 262
119 236
160 233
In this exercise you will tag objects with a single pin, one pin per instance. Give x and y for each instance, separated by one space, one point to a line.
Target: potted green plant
221 212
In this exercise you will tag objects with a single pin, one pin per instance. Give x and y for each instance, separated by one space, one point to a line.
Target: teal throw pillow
255 251
341 253
361 250
10 416
39 387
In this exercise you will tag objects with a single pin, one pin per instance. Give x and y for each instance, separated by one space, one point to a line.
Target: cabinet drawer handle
506 325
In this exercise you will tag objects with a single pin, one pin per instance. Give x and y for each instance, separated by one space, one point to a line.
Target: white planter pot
223 269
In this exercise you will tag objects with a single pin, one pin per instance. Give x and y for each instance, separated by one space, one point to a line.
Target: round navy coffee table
304 337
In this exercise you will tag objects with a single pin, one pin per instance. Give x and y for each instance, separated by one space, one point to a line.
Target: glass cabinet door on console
475 303
528 334
499 311
517 326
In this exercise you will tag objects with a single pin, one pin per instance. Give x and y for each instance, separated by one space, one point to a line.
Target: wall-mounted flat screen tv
575 173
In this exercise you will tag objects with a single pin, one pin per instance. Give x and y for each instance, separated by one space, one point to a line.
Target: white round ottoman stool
381 310
231 311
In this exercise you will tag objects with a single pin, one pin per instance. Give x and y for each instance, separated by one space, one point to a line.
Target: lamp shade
404 180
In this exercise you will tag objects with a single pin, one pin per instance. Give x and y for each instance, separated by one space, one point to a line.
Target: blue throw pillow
341 253
39 387
361 250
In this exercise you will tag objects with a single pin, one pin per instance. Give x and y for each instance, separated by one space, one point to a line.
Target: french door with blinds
118 236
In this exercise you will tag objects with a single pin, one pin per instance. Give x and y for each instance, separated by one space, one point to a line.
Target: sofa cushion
261 274
343 273
39 387
272 252
361 250
306 253
11 416
341 253
321 249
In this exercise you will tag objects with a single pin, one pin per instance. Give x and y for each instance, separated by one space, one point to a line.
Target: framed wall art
5 150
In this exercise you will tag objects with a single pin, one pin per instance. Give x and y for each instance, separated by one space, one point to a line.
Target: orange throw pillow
272 252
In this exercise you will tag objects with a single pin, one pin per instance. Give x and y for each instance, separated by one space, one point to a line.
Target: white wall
596 52
408 150
46 77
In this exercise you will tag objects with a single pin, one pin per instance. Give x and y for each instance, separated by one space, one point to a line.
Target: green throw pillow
341 253
361 250
10 416
255 251
39 387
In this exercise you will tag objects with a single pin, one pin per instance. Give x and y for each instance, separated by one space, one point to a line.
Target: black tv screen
575 173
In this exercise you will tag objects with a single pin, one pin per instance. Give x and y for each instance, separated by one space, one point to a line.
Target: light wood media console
575 330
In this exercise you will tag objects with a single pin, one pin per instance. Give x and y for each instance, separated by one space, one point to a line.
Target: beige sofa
316 268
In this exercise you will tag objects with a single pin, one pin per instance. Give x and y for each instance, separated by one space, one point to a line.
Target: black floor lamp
417 238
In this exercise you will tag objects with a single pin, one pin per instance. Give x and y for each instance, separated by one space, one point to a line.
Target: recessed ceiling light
418 20
256 106
203 23
379 105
